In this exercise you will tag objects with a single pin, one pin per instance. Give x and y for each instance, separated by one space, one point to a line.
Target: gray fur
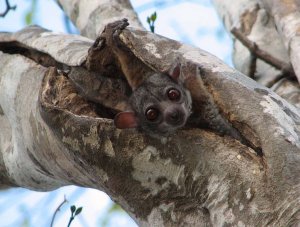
152 92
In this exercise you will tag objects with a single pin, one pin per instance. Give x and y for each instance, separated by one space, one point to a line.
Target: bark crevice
240 131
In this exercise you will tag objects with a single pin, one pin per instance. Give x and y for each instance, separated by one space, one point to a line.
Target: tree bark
256 22
286 16
53 135
91 17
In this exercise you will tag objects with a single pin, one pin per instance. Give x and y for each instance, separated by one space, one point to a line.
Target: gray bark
51 136
90 17
256 20
286 16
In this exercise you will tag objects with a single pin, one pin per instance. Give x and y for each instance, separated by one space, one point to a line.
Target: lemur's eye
152 114
173 94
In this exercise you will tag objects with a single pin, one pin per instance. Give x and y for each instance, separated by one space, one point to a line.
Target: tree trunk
56 130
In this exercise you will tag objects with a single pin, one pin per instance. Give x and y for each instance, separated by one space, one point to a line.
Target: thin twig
263 55
8 8
252 67
57 209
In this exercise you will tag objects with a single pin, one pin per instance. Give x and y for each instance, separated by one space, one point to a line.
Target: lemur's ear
126 119
175 72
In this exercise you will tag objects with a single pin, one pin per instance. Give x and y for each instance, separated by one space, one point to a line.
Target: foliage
74 211
29 15
150 20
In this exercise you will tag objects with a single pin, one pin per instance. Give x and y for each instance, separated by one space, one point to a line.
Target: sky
194 22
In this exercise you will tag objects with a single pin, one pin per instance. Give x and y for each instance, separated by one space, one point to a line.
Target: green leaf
28 18
153 16
151 21
78 211
73 208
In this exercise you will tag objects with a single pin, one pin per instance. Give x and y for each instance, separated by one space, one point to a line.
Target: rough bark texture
256 22
90 17
57 131
286 16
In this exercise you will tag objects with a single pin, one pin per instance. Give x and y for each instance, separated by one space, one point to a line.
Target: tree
51 136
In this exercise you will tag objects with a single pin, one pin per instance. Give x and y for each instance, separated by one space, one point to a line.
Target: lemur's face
160 106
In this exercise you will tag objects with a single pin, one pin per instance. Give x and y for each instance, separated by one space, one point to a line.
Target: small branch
252 68
264 56
57 209
8 8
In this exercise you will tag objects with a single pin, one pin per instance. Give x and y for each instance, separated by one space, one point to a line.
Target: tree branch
253 18
286 17
252 67
90 19
50 141
57 209
8 8
263 55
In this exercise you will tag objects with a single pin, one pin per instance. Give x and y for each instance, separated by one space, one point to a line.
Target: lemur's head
159 106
